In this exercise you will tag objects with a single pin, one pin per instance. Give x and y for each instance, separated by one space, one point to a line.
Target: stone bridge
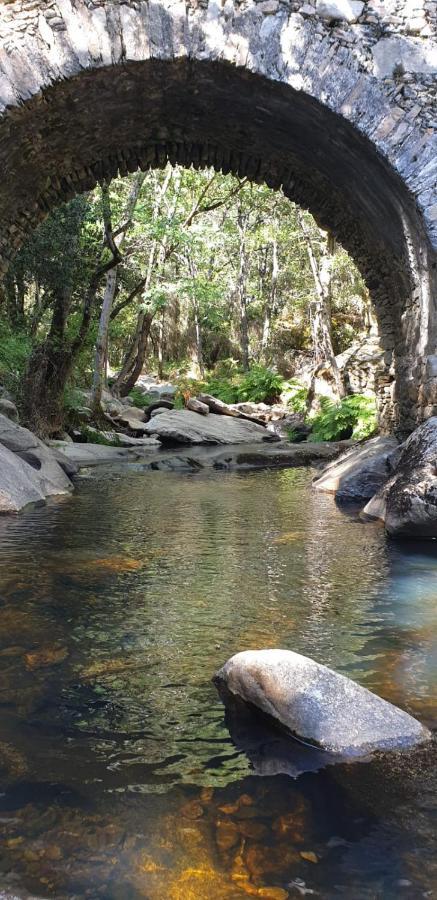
335 102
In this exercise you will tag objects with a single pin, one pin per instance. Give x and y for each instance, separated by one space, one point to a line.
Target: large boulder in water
50 467
181 426
19 483
407 504
317 705
360 472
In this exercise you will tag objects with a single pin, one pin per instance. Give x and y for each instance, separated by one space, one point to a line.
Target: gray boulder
148 384
407 504
360 472
197 406
219 406
181 426
19 483
228 409
15 437
132 418
293 424
341 10
317 705
52 477
8 409
85 455
153 408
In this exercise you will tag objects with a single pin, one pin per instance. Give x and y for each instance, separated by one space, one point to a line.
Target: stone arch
89 89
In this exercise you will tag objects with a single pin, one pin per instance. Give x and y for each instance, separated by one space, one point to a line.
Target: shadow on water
121 777
269 750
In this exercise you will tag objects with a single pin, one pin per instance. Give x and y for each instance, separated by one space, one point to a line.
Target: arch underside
138 115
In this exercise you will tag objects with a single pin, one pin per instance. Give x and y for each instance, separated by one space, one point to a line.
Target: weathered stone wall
335 102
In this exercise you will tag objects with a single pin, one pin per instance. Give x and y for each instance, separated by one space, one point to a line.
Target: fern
354 417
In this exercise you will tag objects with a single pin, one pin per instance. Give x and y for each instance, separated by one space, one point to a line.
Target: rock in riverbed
29 471
318 705
361 471
407 504
182 426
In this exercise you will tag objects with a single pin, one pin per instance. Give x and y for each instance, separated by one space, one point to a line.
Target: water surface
119 776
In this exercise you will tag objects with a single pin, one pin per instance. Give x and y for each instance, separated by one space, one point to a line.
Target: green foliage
223 388
93 436
15 349
139 399
260 385
186 388
295 395
73 398
191 237
354 416
292 435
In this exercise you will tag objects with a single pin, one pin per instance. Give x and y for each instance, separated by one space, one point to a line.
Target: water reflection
120 777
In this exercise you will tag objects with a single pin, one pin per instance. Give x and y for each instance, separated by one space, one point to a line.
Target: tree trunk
48 370
241 291
199 341
135 355
270 307
101 350
161 345
51 362
320 308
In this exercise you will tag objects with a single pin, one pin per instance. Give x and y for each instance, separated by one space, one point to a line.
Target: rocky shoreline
395 483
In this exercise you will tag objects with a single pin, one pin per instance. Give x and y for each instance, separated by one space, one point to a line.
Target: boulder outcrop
182 426
44 468
360 472
407 503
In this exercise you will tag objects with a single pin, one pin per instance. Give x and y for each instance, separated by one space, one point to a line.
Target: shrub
186 388
15 349
223 388
92 436
354 416
139 399
260 385
73 398
295 395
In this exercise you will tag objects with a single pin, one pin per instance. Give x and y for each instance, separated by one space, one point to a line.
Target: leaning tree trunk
241 292
270 307
101 350
135 355
47 373
320 307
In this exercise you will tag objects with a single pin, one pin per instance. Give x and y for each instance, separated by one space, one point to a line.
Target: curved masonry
335 102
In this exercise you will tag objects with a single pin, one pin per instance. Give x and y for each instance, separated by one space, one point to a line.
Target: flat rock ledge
184 458
317 705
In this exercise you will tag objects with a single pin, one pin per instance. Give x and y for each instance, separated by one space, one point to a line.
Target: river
120 778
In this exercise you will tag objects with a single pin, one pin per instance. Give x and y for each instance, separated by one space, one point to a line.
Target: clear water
119 776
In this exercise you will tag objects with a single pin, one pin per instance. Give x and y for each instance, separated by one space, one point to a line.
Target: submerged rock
407 504
318 705
361 471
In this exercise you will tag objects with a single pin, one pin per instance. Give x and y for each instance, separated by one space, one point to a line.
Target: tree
320 309
101 352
